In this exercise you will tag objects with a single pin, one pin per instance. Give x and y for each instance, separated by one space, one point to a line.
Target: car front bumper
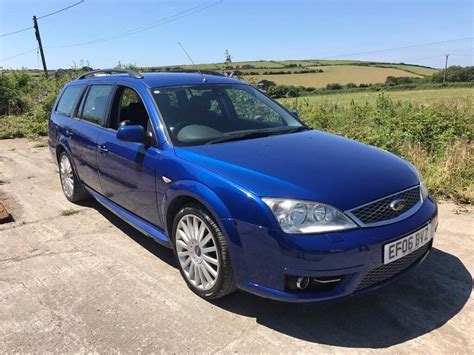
265 259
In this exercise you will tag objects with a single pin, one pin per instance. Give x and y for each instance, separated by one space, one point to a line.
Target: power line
58 11
143 28
17 31
399 48
51 13
19 54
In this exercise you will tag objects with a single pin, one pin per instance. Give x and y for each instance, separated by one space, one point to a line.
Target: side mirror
132 133
295 113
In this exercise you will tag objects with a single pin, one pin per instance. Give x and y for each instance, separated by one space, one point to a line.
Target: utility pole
445 68
38 38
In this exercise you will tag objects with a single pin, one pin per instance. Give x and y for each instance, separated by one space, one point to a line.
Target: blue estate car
246 195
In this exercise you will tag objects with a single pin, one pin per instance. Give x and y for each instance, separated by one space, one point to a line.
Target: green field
334 71
419 96
413 69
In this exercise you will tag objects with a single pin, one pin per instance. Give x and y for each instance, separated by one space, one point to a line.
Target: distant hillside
311 73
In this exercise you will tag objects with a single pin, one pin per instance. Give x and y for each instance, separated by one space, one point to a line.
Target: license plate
404 246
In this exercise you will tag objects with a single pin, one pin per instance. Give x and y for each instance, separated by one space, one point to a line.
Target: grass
370 97
341 74
69 212
412 69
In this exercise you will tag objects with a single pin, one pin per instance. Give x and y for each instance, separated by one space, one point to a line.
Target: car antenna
204 80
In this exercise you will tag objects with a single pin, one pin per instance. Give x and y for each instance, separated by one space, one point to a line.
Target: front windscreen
205 114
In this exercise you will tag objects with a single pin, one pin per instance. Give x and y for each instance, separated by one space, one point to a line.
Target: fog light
302 282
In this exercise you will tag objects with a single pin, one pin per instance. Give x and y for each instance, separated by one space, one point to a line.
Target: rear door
128 169
61 121
91 118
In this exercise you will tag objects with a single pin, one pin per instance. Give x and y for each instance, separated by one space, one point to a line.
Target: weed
69 212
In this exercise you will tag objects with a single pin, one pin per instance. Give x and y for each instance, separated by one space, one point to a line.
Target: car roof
163 79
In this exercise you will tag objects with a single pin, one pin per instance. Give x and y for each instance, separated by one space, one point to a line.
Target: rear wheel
201 251
72 186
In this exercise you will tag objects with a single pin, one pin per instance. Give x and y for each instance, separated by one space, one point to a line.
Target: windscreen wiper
258 134
240 136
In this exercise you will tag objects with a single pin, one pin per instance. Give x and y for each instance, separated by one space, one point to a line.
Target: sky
375 30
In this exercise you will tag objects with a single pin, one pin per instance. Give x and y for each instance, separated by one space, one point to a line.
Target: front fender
219 212
199 192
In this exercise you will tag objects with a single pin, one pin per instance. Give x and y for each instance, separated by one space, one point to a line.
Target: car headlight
296 216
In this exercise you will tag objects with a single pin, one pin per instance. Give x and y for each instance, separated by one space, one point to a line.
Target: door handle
68 133
102 148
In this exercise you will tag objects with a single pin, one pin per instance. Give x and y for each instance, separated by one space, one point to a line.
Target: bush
334 86
455 74
26 101
13 93
398 80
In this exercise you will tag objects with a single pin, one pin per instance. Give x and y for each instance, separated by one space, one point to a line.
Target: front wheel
201 251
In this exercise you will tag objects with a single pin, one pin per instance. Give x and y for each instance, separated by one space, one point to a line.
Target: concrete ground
76 278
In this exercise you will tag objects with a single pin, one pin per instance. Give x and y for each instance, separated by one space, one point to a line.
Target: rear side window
95 106
68 99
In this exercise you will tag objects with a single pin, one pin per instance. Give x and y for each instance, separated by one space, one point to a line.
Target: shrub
454 74
13 93
334 86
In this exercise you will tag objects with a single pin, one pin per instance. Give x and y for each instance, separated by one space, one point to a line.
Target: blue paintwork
140 224
131 134
230 178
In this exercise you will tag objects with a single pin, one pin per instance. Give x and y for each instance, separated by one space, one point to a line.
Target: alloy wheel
197 252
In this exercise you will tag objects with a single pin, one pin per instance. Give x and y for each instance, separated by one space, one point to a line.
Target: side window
128 108
95 106
69 97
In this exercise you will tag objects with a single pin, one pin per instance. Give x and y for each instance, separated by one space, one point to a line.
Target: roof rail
202 71
131 73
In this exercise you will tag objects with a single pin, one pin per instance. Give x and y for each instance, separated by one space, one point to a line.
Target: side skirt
136 222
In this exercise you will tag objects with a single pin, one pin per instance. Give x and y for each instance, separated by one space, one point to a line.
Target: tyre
201 251
72 186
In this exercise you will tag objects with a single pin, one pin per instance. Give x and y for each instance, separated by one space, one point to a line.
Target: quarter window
95 107
68 99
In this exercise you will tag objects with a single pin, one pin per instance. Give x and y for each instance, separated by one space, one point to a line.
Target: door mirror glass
131 133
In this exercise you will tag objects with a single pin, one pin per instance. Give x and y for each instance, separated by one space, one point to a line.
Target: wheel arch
193 192
63 146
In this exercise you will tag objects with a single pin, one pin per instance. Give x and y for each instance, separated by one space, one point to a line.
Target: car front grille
380 211
386 271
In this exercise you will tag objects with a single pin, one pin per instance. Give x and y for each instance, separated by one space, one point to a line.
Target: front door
127 169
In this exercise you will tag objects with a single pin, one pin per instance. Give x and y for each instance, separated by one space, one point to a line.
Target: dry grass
341 74
450 175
